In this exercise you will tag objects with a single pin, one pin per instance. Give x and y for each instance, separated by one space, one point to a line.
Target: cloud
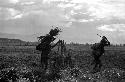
84 20
18 16
11 13
107 10
28 3
14 1
112 28
8 13
68 24
62 5
83 16
106 28
49 1
98 9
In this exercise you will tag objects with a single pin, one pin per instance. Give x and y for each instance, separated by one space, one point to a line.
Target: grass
25 66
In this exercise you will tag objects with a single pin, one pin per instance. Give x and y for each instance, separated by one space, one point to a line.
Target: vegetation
22 64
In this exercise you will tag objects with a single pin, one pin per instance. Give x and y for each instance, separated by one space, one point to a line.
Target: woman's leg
44 59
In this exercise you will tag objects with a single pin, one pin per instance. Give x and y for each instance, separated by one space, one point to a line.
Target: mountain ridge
27 38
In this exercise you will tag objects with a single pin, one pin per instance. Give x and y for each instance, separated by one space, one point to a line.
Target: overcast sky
80 20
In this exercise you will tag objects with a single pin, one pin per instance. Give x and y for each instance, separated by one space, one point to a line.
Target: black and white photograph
62 40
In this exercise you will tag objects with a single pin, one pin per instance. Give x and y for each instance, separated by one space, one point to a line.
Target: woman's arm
55 44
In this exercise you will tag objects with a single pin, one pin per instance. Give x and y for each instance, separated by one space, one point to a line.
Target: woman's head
104 41
55 31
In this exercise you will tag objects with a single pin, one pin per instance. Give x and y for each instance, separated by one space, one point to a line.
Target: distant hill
15 42
30 38
10 42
